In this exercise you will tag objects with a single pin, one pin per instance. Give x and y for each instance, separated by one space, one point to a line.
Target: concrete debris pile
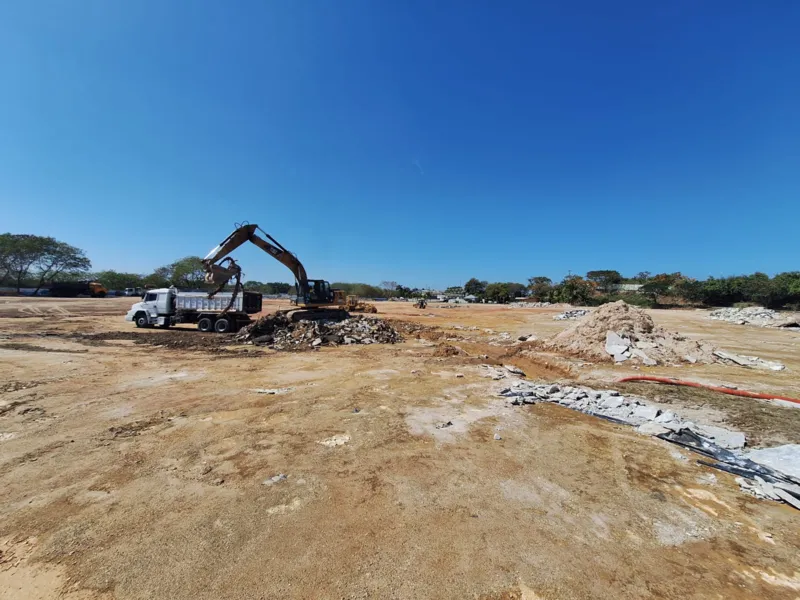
623 333
755 315
569 315
278 331
528 304
631 410
766 473
620 332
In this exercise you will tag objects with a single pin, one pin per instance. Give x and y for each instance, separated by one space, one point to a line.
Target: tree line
32 261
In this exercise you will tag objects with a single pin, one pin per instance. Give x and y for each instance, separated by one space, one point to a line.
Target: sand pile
620 332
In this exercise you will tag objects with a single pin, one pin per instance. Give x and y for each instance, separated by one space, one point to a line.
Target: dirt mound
621 332
277 330
444 350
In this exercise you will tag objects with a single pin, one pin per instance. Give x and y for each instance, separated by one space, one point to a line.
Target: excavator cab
319 292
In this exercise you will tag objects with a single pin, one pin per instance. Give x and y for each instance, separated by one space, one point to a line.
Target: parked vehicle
132 291
168 306
73 289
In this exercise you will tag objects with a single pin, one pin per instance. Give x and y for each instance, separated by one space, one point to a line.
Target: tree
498 292
655 288
455 290
604 279
475 287
540 287
115 280
516 290
403 292
642 276
573 289
42 258
388 287
277 287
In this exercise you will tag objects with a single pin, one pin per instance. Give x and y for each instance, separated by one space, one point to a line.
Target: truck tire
205 324
222 325
141 320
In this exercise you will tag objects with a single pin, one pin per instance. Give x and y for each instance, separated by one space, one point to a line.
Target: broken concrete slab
616 344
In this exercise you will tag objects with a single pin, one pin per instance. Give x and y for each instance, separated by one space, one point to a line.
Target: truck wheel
222 326
141 320
205 324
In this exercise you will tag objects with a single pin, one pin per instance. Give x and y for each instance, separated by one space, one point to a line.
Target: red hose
715 388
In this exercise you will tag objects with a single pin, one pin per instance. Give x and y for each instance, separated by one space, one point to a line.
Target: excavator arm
220 267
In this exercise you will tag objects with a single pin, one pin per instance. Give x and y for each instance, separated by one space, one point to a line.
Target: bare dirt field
147 463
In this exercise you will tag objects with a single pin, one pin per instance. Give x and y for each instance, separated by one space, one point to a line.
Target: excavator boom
220 267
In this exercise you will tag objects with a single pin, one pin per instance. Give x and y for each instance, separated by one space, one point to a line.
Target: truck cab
156 308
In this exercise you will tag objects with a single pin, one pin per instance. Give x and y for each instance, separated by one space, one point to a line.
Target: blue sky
416 141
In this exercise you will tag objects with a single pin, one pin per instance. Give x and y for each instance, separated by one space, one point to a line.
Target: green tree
574 289
403 292
540 287
475 287
115 280
642 276
498 292
655 288
604 279
455 290
516 290
40 258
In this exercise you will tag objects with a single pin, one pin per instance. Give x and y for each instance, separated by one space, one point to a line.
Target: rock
553 389
785 458
274 479
650 428
273 391
643 357
732 440
615 344
648 413
497 436
690 359
612 402
666 417
514 370
569 315
444 425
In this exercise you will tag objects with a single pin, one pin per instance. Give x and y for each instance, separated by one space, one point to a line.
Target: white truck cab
156 308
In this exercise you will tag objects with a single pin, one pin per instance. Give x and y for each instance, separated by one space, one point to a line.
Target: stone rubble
631 410
625 333
651 420
755 315
278 331
570 315
529 304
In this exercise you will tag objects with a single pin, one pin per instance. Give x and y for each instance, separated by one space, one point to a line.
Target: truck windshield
150 297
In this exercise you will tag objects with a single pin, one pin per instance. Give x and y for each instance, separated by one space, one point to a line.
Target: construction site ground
152 470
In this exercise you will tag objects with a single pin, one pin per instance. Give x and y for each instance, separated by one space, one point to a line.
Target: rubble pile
278 331
755 315
569 315
631 410
620 332
767 473
529 304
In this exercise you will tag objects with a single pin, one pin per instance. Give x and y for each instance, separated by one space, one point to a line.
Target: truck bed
246 302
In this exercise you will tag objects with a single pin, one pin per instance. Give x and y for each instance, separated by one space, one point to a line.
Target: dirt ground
145 463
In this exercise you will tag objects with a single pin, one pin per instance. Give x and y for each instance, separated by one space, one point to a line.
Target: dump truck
73 289
223 313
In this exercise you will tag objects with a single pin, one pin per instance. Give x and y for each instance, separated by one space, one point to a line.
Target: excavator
313 295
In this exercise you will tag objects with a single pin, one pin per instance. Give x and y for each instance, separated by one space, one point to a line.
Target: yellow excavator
314 295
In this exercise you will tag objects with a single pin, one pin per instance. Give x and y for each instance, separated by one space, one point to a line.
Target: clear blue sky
419 141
